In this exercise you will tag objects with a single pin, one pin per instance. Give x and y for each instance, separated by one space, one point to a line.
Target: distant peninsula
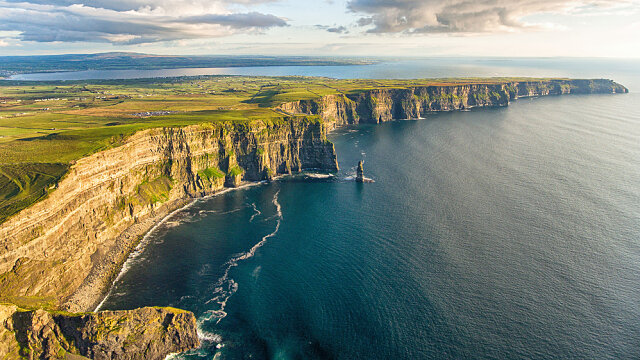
12 65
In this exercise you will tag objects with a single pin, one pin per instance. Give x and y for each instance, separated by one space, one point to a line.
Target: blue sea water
509 233
384 69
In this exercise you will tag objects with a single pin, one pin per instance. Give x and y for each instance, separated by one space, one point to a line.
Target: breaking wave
256 212
319 176
225 287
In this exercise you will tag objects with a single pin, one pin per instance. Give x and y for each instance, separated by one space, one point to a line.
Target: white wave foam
185 297
256 272
208 336
204 269
319 175
256 212
225 287
353 178
172 224
133 256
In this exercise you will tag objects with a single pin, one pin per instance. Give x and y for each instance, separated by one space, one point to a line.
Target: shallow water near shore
495 233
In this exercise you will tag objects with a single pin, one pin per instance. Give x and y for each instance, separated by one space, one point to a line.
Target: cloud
338 29
3 43
130 21
333 29
461 16
246 20
173 6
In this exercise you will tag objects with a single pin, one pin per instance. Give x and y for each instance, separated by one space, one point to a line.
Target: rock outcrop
68 248
386 104
360 172
146 333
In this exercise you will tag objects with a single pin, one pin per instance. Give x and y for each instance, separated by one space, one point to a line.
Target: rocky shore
146 333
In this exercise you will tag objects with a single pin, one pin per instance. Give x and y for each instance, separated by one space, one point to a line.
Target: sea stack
360 172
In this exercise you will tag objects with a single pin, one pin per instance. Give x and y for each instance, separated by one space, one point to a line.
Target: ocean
509 233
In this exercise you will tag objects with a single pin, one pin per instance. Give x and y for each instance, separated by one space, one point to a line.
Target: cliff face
380 105
147 333
68 247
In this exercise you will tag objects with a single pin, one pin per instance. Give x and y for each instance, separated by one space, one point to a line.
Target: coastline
68 248
143 237
137 249
141 232
104 271
85 244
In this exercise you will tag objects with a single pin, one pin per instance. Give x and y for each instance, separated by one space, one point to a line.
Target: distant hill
129 60
121 54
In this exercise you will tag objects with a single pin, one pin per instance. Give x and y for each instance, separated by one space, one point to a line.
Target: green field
45 126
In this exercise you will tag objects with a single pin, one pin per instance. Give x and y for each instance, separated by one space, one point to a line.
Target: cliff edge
415 102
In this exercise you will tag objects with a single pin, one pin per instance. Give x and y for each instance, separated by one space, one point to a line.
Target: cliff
149 333
67 249
413 102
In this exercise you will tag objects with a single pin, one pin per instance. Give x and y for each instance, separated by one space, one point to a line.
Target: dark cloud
133 21
458 16
247 20
338 29
334 29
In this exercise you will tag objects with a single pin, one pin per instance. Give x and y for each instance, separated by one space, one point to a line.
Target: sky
421 28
